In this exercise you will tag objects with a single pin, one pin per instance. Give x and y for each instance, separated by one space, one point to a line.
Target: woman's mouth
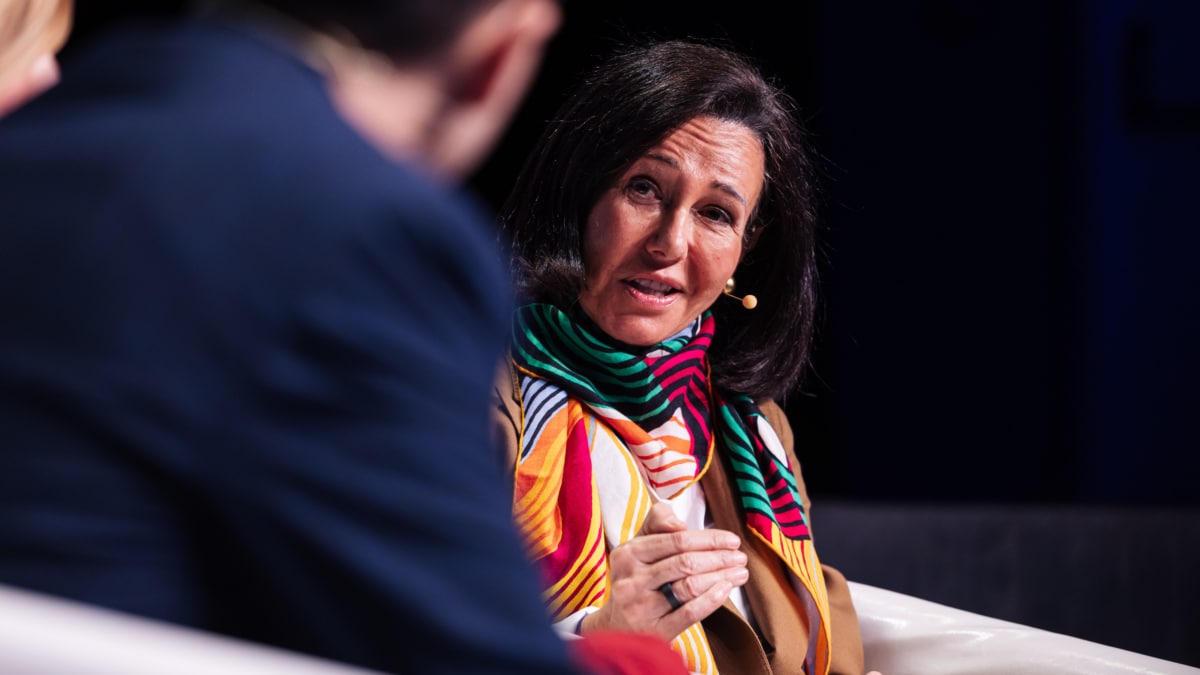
651 293
651 287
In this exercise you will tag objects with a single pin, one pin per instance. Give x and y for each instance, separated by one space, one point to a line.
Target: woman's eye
717 215
641 187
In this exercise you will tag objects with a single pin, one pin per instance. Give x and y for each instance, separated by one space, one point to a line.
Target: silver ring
669 593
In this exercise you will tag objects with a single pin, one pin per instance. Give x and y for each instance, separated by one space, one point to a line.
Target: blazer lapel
781 640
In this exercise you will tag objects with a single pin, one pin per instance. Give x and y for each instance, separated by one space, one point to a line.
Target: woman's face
660 243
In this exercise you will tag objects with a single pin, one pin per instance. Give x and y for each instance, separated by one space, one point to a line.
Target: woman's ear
753 232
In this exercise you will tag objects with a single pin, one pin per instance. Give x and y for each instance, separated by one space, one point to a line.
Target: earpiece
749 302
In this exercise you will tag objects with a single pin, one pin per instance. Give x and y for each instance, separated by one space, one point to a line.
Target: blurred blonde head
31 34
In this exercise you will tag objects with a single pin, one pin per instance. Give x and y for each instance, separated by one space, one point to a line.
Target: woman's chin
641 331
633 319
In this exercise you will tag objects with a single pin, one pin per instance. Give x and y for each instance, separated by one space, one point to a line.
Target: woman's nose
668 241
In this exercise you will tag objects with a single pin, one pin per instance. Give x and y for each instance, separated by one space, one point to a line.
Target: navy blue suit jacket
245 364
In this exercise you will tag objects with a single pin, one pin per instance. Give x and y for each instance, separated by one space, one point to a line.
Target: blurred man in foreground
248 327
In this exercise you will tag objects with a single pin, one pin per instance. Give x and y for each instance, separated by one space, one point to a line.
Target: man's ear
487 71
491 57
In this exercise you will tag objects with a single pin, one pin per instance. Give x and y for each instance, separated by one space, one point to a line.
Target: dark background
1002 414
1011 302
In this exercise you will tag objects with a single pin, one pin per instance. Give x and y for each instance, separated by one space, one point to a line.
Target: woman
654 476
31 33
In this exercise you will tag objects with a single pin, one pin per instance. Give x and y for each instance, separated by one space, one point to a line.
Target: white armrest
904 635
44 635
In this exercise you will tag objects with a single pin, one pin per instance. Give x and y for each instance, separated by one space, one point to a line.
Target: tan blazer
738 650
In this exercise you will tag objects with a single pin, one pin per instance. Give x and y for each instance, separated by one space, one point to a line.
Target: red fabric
619 653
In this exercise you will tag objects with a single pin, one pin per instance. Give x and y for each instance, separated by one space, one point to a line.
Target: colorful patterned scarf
604 424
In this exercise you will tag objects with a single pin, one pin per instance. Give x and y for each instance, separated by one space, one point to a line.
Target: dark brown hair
613 116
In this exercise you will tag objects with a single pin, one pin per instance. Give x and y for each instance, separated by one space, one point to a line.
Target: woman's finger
661 519
683 566
674 623
689 588
648 549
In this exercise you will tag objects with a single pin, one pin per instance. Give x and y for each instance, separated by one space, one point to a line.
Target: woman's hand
702 566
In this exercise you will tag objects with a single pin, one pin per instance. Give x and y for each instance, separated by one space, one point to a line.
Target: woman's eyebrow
724 187
732 191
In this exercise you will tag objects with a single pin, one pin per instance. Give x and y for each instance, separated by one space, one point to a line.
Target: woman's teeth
651 287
